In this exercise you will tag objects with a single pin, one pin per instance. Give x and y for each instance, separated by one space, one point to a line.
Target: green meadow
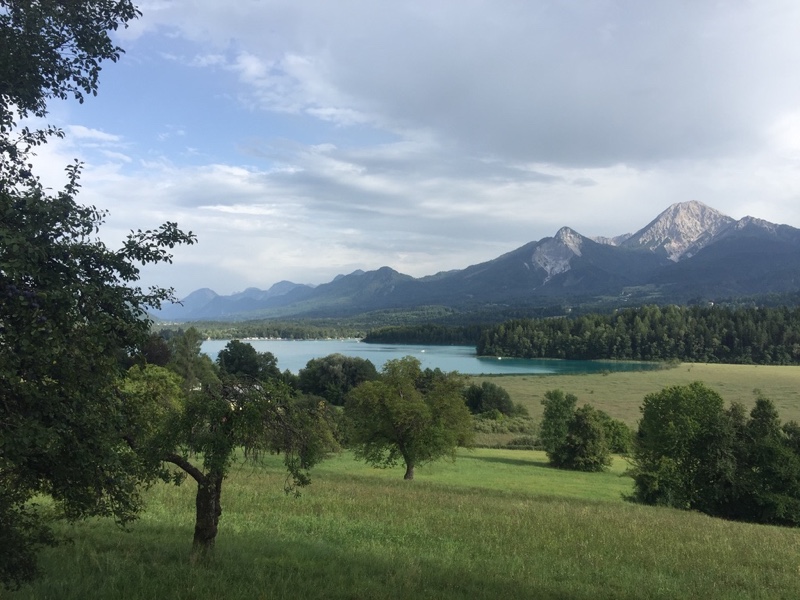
493 524
620 394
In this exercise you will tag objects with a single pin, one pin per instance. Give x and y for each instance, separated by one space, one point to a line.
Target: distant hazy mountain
207 304
689 250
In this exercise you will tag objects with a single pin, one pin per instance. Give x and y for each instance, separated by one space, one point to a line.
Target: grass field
621 394
494 524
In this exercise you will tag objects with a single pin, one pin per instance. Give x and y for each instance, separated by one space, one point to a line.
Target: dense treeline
441 335
692 334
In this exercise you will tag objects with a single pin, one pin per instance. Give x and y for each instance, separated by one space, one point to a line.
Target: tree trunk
208 511
409 471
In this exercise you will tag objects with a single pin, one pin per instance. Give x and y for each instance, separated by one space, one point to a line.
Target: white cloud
430 136
580 83
81 133
117 156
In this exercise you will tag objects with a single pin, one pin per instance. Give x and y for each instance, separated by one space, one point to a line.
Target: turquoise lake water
294 355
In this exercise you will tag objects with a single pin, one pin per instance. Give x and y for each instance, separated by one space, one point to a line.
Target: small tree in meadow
407 415
559 409
488 397
585 447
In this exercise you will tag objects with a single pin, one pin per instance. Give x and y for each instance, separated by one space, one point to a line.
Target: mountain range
688 251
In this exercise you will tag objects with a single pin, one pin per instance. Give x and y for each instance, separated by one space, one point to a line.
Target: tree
49 50
674 432
559 409
488 397
196 369
333 376
407 415
690 453
241 360
263 417
155 351
619 436
585 447
200 428
768 483
70 308
55 50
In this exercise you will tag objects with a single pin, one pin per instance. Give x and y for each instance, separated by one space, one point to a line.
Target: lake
294 355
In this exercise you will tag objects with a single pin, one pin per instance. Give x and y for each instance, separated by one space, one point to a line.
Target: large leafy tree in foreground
408 415
70 306
54 49
674 444
70 309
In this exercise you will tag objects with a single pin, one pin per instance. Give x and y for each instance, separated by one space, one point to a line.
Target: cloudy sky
300 139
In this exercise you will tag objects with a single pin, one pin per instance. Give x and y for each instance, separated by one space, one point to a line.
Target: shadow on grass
519 462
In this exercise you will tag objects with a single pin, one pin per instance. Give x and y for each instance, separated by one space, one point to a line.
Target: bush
520 411
486 424
524 442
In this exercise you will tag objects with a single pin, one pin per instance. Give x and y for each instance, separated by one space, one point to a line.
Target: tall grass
494 524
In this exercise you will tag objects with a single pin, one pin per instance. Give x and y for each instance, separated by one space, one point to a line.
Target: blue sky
304 139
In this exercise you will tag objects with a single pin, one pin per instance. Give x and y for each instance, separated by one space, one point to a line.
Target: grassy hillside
494 524
621 394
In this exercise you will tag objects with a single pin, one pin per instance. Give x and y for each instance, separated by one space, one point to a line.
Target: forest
466 335
655 333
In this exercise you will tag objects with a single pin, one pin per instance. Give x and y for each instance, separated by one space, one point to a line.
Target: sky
302 139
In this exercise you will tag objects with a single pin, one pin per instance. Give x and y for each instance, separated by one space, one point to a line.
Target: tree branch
177 459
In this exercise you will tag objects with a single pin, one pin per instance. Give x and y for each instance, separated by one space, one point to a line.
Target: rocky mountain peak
613 241
553 255
681 230
759 223
570 238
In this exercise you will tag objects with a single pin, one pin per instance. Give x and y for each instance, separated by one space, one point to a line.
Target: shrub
523 442
486 424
